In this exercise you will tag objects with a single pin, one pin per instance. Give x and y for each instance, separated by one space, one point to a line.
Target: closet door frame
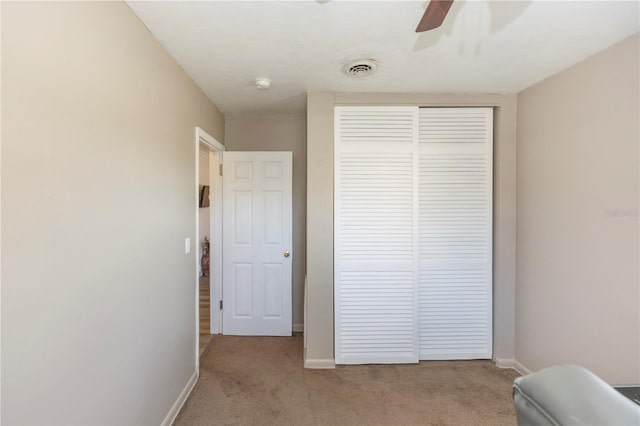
338 264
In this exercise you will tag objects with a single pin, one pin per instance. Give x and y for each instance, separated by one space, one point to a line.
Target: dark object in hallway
206 260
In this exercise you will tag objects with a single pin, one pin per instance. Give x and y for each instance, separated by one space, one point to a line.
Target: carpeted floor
260 381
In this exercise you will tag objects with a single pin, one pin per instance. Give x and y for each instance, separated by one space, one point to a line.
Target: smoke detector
263 83
360 67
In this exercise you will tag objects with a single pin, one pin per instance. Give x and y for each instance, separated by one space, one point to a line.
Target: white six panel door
456 152
257 243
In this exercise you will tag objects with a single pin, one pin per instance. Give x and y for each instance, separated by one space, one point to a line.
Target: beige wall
281 133
98 195
578 282
319 327
319 298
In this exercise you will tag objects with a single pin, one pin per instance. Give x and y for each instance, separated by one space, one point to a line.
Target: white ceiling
483 47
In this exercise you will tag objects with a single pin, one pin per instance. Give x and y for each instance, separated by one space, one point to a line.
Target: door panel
455 233
273 288
375 272
243 220
257 215
242 290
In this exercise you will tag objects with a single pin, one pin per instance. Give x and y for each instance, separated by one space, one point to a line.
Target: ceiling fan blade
434 15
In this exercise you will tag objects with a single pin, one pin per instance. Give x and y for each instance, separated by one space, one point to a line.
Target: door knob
286 254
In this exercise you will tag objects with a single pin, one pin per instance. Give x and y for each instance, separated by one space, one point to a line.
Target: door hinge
220 169
221 305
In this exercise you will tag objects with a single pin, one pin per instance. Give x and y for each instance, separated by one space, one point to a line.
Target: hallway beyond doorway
205 312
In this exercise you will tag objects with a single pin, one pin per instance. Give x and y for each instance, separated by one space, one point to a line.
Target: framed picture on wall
204 196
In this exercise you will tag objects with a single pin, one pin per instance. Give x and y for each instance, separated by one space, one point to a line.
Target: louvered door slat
376 235
455 216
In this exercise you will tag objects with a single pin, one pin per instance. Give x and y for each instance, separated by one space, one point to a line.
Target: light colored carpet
260 381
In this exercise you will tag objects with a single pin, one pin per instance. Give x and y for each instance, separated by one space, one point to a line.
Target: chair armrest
570 395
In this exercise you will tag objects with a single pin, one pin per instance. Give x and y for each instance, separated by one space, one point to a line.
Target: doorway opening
256 241
209 236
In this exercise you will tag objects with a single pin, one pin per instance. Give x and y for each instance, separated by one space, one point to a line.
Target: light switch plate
187 245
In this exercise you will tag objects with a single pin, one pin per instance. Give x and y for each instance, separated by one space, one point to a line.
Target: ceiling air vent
360 68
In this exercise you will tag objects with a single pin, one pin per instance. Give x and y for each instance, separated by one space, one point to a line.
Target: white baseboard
504 362
320 363
511 363
521 368
298 328
177 406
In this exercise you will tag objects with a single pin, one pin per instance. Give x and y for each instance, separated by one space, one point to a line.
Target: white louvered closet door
455 204
375 231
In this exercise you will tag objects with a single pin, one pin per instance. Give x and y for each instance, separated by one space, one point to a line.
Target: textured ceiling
483 47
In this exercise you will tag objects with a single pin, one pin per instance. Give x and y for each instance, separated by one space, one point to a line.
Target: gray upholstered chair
571 395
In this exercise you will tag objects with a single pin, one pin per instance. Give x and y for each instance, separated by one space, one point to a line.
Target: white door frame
215 148
215 236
